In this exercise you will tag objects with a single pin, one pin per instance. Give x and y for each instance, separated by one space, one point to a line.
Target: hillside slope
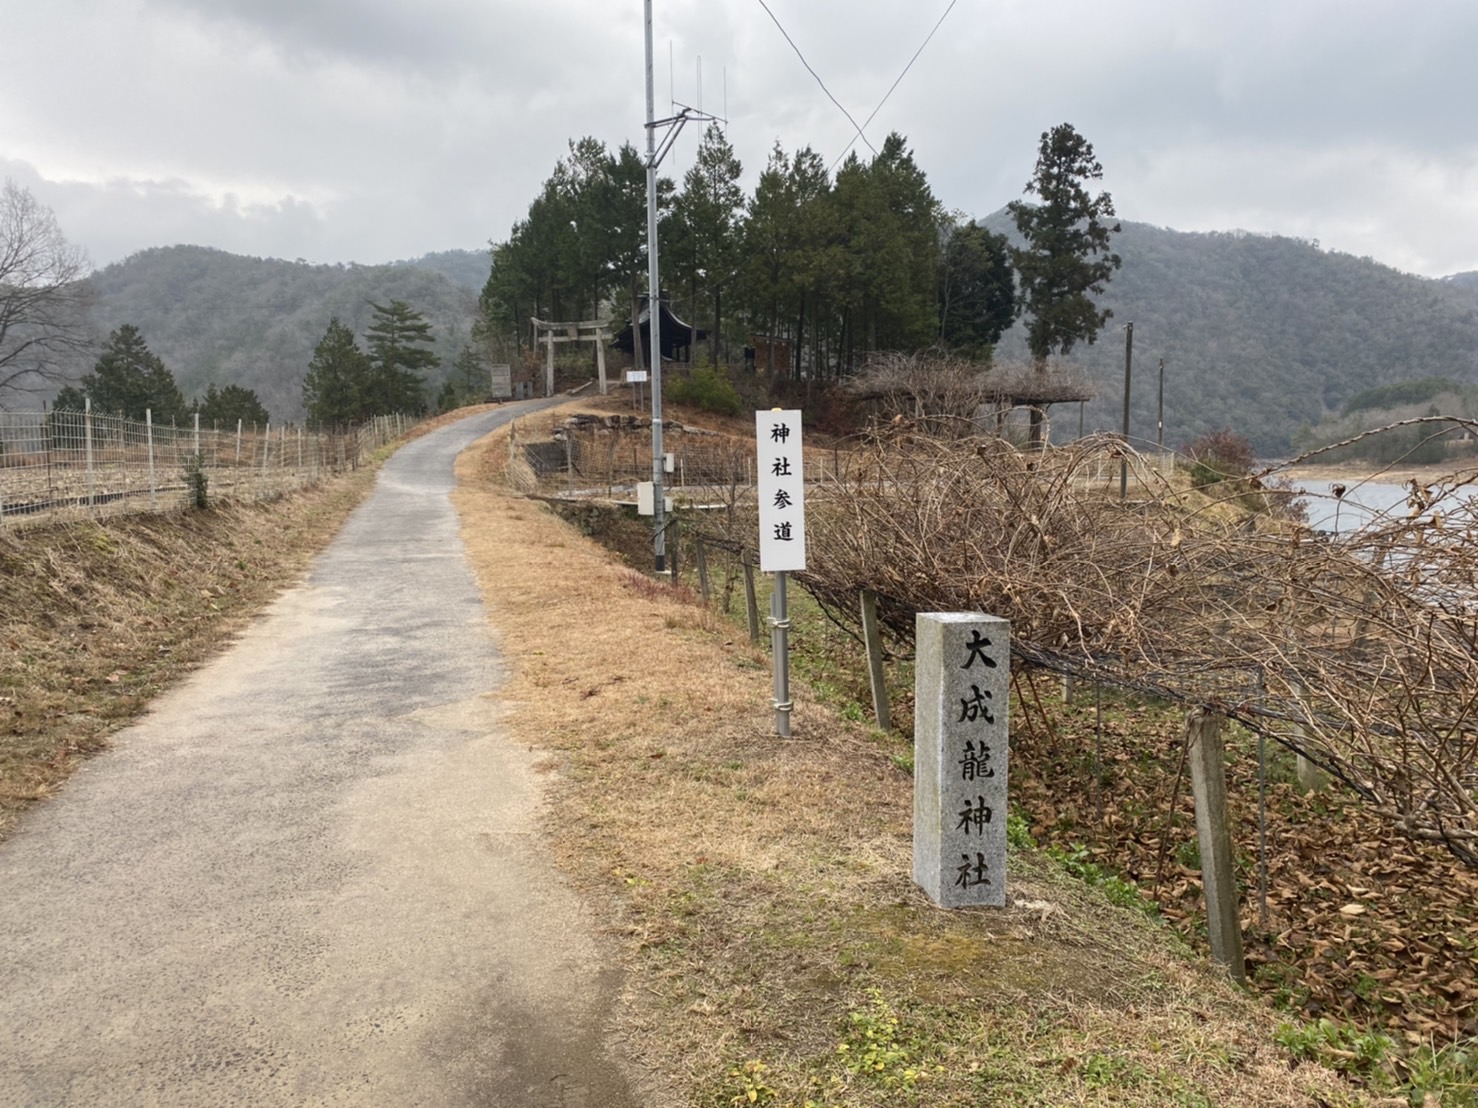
1261 333
219 318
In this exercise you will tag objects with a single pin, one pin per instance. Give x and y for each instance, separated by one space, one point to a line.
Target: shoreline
1393 474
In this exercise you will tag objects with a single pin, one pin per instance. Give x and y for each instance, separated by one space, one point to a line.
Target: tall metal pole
1128 364
780 651
654 314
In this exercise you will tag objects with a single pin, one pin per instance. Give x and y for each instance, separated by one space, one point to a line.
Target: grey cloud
383 128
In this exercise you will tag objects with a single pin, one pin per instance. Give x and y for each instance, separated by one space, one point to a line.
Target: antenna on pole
655 154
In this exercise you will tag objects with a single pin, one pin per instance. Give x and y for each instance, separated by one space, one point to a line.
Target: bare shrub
1360 652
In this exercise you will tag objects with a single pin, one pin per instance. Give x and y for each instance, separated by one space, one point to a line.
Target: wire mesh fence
64 464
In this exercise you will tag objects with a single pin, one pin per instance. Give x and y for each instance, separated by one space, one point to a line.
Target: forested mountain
468 268
222 319
1260 333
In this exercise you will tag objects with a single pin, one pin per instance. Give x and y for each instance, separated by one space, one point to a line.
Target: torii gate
551 333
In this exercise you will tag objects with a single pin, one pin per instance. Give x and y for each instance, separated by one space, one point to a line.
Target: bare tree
43 294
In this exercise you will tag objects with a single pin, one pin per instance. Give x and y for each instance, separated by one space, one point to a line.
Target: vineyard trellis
1357 651
63 464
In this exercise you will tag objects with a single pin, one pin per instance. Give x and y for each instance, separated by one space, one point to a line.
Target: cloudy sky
369 130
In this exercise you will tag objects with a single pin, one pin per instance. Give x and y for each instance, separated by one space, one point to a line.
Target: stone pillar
961 728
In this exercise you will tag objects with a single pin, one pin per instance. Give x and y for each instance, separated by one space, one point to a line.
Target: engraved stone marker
960 743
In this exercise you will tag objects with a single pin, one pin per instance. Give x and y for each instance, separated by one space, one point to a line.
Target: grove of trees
131 380
836 261
128 380
345 383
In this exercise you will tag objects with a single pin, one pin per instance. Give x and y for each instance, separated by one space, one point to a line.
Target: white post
149 434
600 360
197 435
87 431
549 368
266 453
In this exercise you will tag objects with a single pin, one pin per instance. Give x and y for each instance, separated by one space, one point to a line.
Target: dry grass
760 889
100 616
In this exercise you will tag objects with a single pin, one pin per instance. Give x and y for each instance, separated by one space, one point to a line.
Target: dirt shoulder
776 949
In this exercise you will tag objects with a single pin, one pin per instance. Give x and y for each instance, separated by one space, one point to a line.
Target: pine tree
223 407
334 386
129 380
397 341
977 294
1066 256
704 221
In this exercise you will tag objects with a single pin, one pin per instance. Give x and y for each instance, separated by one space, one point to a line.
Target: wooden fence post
751 604
873 640
700 559
1213 832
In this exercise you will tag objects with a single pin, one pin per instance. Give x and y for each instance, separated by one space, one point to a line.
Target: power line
819 81
895 84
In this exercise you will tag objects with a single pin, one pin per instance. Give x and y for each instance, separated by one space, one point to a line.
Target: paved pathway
311 874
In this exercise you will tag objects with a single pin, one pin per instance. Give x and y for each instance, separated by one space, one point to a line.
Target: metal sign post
782 509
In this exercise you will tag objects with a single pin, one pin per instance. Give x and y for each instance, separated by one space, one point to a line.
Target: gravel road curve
311 875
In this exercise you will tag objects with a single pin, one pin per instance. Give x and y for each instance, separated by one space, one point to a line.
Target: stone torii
585 331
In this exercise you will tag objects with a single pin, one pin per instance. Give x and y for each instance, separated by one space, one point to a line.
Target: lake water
1361 504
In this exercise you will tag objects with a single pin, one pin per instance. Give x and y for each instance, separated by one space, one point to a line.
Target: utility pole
1128 365
654 314
1160 423
655 154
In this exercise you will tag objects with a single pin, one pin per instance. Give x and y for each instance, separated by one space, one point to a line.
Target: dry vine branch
1359 651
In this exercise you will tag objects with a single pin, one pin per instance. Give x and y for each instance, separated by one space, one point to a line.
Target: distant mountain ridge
1258 332
468 268
217 318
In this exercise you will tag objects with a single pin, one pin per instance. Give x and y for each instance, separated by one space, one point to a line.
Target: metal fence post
149 438
87 432
266 453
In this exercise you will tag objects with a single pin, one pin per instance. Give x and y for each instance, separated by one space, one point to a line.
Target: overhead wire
928 38
819 81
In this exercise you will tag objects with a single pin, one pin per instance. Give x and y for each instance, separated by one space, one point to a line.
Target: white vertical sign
782 491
